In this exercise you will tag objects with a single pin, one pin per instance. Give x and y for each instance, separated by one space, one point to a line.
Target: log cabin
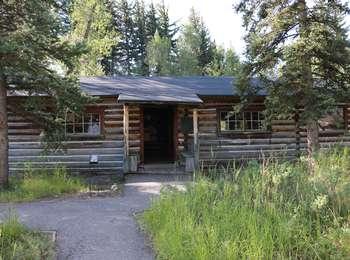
170 124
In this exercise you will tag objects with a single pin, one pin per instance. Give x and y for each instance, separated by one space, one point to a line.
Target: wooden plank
82 151
66 158
142 135
175 133
195 137
126 137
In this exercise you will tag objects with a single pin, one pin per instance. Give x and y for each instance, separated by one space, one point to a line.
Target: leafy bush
264 211
18 242
44 183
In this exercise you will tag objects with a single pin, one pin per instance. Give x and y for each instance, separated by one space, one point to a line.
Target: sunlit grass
18 242
270 211
38 184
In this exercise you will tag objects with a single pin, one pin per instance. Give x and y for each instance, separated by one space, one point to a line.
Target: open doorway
158 134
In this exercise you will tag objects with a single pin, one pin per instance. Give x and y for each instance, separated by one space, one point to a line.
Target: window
245 121
88 123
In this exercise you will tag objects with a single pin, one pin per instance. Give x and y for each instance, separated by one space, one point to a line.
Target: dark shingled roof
159 89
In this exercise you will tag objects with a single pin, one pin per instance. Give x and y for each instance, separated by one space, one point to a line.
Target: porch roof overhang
160 98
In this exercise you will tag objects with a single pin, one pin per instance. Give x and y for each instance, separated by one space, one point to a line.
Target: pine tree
123 56
151 23
232 63
31 48
92 25
300 51
224 63
216 67
141 38
164 27
195 46
158 55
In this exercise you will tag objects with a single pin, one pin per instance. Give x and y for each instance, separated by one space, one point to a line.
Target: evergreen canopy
300 49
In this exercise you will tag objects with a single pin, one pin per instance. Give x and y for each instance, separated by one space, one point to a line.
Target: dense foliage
301 52
191 50
91 25
35 59
18 242
270 211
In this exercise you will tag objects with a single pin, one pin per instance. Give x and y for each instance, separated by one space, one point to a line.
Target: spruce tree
141 38
158 55
164 27
217 65
232 63
300 51
31 50
151 23
123 55
224 63
195 46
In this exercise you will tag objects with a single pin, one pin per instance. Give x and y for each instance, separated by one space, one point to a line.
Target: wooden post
195 138
126 138
4 145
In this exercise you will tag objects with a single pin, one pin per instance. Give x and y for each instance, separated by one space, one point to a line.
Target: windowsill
85 136
257 132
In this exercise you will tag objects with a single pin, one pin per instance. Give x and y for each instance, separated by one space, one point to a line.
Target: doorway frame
174 114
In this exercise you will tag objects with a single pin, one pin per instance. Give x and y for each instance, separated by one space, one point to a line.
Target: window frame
97 111
265 130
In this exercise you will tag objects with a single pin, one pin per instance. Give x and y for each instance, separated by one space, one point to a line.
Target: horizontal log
282 122
248 141
65 158
84 151
69 144
250 154
103 170
247 147
24 138
69 165
330 138
35 131
283 134
283 128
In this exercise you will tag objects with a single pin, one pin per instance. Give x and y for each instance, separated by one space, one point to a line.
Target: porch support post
126 138
195 138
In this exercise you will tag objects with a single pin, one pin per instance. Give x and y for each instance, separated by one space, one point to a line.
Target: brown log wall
25 147
285 140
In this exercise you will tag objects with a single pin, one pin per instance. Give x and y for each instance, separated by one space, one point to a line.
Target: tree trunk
313 144
307 81
4 168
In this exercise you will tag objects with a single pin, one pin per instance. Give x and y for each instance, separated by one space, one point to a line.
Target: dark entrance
158 134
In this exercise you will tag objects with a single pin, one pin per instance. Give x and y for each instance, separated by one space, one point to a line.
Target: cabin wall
331 137
286 139
25 147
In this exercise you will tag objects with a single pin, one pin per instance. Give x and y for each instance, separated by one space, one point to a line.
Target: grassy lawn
42 184
18 242
270 211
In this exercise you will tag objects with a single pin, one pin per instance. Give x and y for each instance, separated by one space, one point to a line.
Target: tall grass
37 184
264 211
18 242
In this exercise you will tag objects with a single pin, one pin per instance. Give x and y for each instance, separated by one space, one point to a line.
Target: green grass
270 211
41 184
18 242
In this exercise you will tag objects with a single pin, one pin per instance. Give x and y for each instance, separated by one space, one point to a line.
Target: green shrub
264 211
18 242
44 183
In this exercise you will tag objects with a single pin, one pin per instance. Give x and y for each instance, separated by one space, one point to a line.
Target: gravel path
97 228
